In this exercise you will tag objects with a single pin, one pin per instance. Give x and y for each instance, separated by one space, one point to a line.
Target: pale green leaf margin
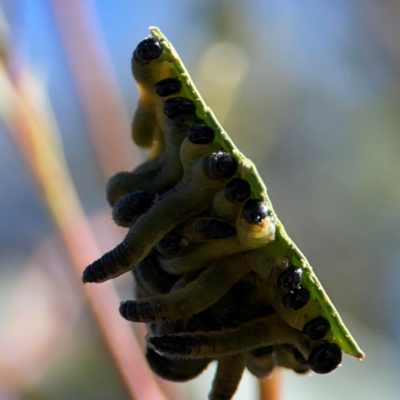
249 172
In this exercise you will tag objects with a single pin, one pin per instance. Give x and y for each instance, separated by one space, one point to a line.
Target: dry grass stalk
34 132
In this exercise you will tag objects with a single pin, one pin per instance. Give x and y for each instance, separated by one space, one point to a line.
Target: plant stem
270 388
39 143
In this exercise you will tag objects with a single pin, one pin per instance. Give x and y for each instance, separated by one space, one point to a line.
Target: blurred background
308 90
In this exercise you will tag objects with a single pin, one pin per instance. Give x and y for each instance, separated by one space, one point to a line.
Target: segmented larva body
227 312
217 276
147 67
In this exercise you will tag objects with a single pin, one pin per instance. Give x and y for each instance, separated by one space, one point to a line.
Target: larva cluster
217 276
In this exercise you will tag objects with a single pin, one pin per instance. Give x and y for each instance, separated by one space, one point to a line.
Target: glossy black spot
325 358
149 49
169 247
255 211
262 351
290 278
237 190
316 329
219 165
178 106
200 134
168 86
296 299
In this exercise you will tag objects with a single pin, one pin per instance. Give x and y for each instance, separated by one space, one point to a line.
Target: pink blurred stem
42 152
270 388
97 86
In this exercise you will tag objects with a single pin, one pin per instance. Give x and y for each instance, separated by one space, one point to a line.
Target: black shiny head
219 165
325 358
169 246
290 278
148 49
255 211
316 329
237 190
200 134
296 299
178 106
168 86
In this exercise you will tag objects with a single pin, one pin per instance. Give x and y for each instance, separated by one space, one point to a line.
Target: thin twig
101 100
270 388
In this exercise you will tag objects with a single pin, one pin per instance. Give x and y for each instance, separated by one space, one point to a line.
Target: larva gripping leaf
216 274
283 244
